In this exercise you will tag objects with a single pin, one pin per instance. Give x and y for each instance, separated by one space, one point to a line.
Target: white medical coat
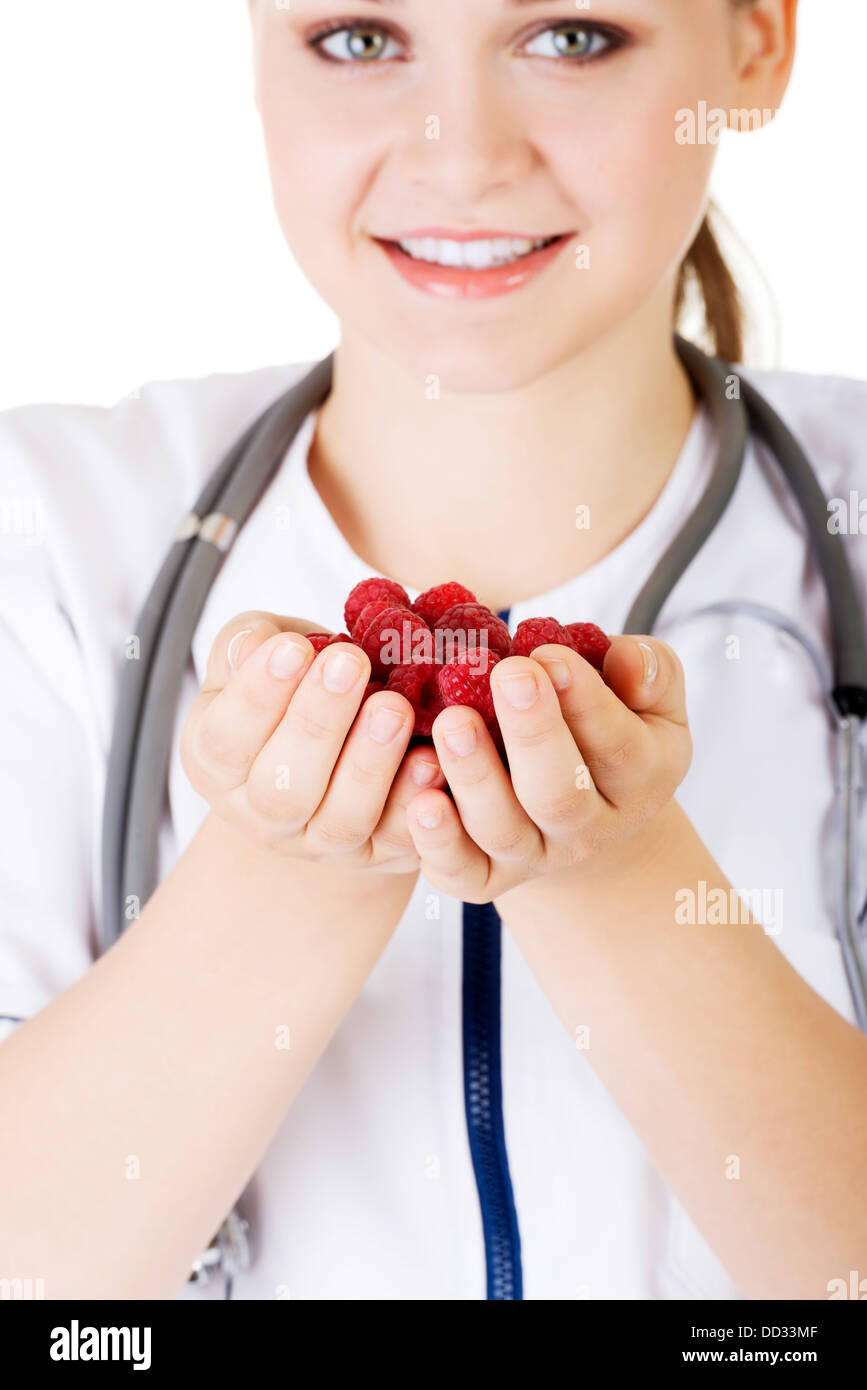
367 1189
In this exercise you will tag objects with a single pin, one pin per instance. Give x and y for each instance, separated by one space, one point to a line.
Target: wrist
333 888
618 873
667 833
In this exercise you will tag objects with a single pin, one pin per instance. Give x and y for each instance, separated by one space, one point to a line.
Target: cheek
318 173
639 195
634 185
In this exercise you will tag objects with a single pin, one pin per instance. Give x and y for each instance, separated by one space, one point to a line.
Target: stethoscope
138 762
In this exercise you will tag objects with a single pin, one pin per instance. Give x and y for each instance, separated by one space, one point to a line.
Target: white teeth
477 255
472 255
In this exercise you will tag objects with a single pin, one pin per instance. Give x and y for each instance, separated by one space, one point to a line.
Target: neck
484 488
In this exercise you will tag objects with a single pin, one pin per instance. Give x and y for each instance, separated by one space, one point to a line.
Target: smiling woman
432 1014
580 42
543 77
359 43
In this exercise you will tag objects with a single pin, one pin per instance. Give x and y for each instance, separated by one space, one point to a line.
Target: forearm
136 1106
747 1089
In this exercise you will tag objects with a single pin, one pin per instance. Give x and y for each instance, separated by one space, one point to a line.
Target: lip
477 234
452 282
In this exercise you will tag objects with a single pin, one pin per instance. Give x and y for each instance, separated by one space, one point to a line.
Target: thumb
242 635
647 675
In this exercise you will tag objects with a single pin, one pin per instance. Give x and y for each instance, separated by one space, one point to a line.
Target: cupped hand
278 742
592 758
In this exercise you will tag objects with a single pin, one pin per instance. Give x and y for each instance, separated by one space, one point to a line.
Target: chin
464 364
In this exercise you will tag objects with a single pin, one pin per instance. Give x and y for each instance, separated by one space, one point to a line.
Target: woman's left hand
591 760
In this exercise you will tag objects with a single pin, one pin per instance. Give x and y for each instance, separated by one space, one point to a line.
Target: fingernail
651 665
520 691
461 740
561 678
430 819
423 773
384 724
286 659
342 670
235 646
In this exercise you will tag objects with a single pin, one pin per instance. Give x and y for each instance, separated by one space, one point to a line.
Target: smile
479 267
472 255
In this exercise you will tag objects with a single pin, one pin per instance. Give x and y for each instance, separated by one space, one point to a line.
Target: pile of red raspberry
401 640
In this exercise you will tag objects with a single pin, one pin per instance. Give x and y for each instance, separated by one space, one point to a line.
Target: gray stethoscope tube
734 419
138 760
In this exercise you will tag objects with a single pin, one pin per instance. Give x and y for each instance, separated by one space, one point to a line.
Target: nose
461 135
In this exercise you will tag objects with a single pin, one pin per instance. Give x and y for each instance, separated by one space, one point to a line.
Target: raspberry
368 589
393 633
535 632
418 685
367 614
320 640
462 683
588 641
434 602
412 681
405 642
475 618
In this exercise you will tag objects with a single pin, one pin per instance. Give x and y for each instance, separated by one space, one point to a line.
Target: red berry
418 685
425 716
434 602
320 640
390 640
412 681
368 589
473 619
371 689
588 641
464 683
535 632
366 616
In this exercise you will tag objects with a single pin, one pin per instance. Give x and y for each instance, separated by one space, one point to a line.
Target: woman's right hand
284 760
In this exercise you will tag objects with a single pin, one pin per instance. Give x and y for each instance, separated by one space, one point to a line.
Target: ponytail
705 266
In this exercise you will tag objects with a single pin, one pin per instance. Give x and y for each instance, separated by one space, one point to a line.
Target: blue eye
354 43
578 42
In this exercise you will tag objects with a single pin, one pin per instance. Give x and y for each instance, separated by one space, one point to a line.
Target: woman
682 1093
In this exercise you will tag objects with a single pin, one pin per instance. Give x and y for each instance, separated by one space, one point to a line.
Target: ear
765 35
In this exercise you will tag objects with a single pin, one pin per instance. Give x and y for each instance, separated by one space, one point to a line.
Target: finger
450 859
391 841
224 737
489 810
543 755
615 746
241 636
658 688
354 799
291 774
622 750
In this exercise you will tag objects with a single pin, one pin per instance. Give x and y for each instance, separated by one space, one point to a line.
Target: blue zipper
483 1095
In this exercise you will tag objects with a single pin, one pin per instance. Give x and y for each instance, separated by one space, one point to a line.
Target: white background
138 239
